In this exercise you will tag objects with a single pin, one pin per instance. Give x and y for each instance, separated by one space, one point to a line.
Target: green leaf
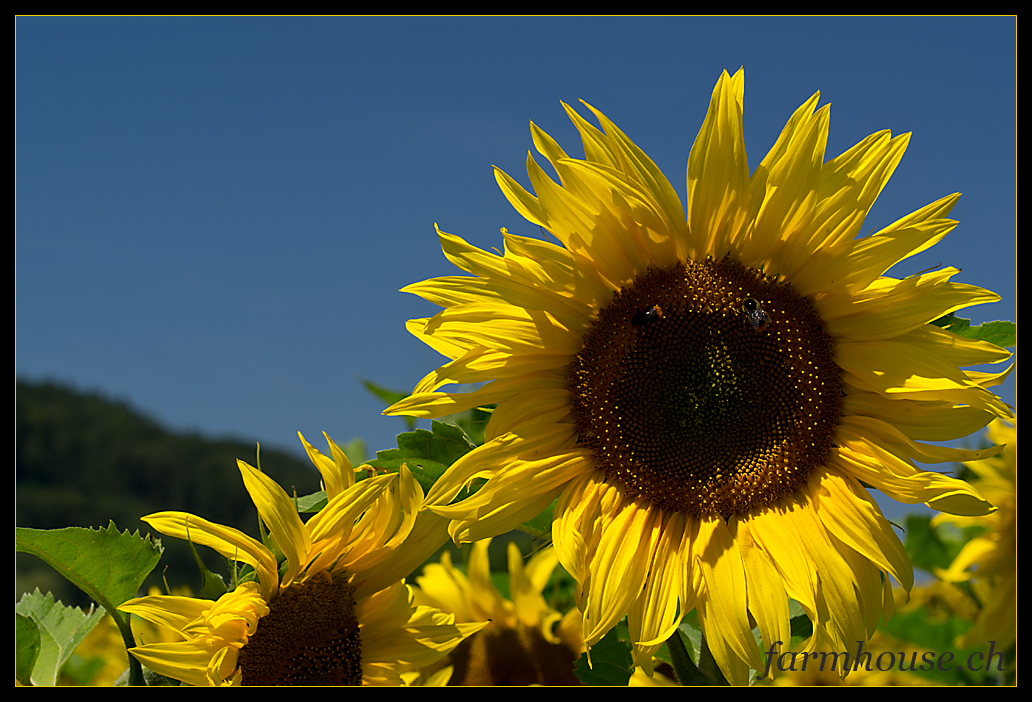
107 565
611 662
691 631
540 527
927 547
389 397
473 421
1000 333
801 626
426 453
26 647
212 585
59 630
685 670
312 503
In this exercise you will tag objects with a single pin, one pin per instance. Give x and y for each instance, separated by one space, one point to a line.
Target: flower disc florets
707 388
309 637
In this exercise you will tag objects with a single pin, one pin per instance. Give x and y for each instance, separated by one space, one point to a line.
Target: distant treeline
84 460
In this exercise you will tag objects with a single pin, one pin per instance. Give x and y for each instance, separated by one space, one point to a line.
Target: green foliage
540 527
27 645
473 422
930 548
610 662
46 634
1001 333
107 565
937 633
212 585
426 453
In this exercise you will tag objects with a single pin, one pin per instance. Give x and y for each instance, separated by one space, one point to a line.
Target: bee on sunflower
708 390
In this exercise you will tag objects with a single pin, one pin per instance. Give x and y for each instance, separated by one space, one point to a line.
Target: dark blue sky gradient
214 215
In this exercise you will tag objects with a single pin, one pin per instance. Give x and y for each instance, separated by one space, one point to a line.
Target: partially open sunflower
337 612
709 396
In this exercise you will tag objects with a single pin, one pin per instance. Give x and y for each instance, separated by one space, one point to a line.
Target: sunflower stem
684 667
708 665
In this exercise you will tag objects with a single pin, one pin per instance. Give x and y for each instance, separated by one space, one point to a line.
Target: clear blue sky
215 215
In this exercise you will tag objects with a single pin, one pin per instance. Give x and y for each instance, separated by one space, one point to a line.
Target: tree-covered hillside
82 460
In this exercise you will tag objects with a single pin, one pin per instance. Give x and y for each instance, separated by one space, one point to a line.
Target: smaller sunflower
337 612
991 558
527 641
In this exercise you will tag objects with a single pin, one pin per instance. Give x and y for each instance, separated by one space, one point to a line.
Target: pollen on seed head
725 400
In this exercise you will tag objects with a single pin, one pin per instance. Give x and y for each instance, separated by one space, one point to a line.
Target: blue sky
215 215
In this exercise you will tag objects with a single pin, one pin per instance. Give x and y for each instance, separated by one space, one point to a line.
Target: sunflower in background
101 659
707 394
338 612
990 559
527 641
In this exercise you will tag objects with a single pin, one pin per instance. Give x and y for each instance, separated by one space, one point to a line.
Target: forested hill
83 460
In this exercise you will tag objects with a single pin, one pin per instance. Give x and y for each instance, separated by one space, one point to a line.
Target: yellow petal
848 511
337 474
718 173
279 513
229 542
904 483
715 552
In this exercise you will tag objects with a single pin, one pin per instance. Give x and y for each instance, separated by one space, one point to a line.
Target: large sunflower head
336 612
706 386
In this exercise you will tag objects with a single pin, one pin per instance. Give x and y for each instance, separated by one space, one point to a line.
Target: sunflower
990 559
527 641
338 612
707 396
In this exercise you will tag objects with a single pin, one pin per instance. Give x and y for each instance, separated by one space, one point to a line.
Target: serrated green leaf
60 630
444 443
108 565
427 453
1000 333
26 647
425 471
611 662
